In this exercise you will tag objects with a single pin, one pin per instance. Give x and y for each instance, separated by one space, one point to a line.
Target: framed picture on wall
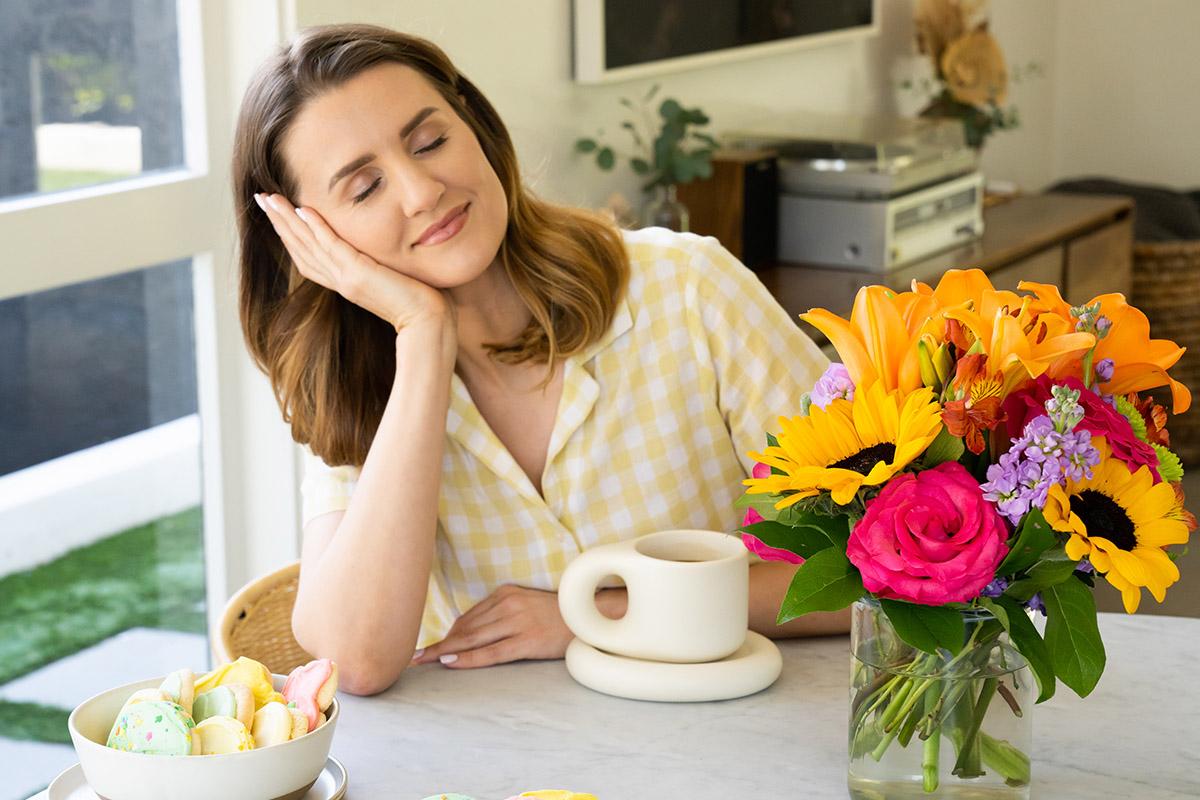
618 40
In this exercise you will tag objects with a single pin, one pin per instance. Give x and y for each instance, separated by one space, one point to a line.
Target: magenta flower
1099 419
929 538
756 545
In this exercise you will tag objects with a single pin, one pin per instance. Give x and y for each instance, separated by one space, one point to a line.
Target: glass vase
938 726
665 211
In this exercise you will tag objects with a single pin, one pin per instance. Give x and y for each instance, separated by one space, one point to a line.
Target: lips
434 233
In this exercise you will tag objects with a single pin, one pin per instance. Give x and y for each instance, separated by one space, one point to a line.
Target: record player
871 193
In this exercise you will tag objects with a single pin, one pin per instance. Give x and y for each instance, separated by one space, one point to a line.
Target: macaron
180 687
220 735
245 671
227 700
144 695
155 727
274 724
311 687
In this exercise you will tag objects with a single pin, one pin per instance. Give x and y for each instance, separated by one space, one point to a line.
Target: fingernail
449 658
258 199
418 654
302 214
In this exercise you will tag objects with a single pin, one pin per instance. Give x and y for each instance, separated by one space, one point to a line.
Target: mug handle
577 594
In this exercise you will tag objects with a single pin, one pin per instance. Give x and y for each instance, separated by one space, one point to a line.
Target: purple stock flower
1036 603
1049 451
995 588
1104 370
834 383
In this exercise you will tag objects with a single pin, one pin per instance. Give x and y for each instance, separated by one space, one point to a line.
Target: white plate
70 785
754 667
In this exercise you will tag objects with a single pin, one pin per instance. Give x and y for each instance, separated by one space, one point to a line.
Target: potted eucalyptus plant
668 152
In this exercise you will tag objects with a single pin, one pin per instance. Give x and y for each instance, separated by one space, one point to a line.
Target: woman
488 383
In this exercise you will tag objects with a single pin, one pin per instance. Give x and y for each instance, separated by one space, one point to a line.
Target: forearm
363 597
769 583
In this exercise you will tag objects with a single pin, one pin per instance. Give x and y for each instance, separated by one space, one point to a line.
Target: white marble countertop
492 732
489 733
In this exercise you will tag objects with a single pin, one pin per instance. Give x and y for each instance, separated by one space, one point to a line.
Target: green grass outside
151 576
53 180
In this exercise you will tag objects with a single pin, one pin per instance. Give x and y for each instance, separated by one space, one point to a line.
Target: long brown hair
332 363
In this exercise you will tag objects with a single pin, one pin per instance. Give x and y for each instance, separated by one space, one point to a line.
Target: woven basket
257 623
1166 286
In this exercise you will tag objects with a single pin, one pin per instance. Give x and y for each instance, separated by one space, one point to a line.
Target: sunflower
849 444
1121 520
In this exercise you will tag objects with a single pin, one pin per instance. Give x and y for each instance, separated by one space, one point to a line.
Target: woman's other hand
512 624
321 256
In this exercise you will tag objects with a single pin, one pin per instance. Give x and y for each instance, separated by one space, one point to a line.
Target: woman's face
385 161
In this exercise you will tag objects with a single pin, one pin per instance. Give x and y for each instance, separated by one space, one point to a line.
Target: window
121 361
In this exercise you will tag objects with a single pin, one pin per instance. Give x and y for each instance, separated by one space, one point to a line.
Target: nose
419 191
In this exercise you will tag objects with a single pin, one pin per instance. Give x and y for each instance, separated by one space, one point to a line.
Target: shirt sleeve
324 488
763 361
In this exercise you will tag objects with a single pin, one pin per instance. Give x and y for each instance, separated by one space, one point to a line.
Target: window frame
250 466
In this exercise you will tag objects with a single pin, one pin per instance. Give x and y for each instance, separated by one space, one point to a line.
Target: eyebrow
417 119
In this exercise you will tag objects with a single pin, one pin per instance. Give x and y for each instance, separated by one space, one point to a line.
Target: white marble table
491 732
488 733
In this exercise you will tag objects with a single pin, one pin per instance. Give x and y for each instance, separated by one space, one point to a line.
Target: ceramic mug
689 596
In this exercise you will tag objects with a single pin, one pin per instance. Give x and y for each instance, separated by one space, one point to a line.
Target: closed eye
434 145
366 192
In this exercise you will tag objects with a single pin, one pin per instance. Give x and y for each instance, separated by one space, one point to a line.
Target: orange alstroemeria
978 404
879 341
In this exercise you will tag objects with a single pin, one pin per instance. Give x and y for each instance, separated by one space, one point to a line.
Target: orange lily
1140 363
879 341
1019 336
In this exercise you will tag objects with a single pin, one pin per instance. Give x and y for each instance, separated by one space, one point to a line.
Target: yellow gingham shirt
651 434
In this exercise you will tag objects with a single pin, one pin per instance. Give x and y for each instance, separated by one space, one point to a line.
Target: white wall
519 54
1117 97
1126 91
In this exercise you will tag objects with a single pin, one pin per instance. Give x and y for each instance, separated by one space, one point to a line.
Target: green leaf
605 158
1044 574
650 94
997 610
704 137
1028 641
640 166
837 528
585 145
825 582
670 110
943 448
1034 537
926 627
804 542
1073 637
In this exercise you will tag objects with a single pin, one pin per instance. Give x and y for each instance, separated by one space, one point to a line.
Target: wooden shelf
1082 243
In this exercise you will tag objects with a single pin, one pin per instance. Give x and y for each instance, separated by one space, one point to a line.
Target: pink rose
1099 419
929 538
756 545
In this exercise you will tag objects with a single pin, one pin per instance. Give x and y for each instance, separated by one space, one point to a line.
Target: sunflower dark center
1102 516
862 461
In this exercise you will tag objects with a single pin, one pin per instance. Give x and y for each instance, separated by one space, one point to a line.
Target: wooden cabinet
1081 243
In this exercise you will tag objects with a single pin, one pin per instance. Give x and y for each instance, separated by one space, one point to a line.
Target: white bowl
279 772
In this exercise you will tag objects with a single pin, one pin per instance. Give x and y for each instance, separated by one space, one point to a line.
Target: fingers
294 233
500 652
464 638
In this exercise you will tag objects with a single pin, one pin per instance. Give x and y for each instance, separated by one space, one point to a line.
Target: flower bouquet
980 458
